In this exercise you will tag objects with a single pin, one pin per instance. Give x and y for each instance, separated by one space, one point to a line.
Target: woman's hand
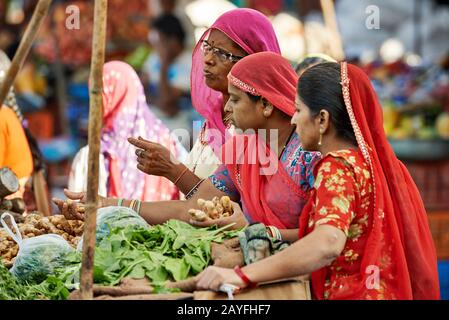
237 219
155 159
76 196
73 208
213 277
70 209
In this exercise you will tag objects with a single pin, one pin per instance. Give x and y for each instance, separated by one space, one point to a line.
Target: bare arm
313 252
187 181
160 211
289 235
157 160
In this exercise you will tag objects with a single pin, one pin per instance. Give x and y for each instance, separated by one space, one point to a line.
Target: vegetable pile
36 225
11 289
172 251
40 257
162 253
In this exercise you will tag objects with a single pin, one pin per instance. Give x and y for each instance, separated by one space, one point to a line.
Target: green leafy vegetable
172 251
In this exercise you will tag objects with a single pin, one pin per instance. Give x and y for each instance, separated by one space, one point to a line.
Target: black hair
319 88
308 62
253 98
171 26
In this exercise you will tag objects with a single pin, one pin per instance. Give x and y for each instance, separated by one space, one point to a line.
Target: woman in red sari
364 232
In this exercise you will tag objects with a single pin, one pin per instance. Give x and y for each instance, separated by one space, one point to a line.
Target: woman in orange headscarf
15 152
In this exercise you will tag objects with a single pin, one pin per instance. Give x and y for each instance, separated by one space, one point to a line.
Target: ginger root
213 209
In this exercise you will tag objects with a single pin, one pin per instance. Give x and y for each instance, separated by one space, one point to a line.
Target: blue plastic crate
443 272
59 149
78 91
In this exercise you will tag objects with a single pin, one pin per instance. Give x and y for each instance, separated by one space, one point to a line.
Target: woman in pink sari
235 34
125 113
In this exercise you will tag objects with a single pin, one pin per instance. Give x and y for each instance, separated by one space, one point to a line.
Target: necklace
286 142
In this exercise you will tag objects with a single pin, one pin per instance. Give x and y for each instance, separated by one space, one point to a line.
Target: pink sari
126 114
253 32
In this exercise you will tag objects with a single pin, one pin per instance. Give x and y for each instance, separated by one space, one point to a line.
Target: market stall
112 253
133 260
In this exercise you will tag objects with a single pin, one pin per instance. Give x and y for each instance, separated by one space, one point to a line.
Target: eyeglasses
222 55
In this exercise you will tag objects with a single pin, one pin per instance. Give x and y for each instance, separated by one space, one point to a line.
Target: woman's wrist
175 172
108 202
245 279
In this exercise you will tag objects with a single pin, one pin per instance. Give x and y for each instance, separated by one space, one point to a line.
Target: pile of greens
11 289
172 251
55 287
39 257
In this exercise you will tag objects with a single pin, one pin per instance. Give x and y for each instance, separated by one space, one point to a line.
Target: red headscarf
399 218
268 75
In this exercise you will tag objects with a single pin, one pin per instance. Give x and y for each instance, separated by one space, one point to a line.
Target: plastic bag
38 257
109 218
257 245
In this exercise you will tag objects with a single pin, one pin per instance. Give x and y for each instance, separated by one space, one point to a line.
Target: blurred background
403 46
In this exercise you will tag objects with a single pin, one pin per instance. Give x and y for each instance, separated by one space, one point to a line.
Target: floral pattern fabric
342 198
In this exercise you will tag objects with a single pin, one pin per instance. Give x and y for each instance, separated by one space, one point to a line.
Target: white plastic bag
112 217
38 257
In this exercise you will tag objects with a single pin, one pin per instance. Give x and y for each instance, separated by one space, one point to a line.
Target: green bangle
278 234
138 206
119 203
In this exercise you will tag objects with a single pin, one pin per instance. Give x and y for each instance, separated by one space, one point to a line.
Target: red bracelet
245 279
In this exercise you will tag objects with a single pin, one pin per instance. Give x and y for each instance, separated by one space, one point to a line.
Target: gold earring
321 139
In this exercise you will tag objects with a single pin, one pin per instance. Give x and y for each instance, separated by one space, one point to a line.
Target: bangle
277 233
131 204
139 203
270 232
120 202
180 176
245 279
274 232
194 190
136 206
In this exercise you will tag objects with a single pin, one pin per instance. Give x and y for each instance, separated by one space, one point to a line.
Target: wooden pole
330 20
41 193
95 121
25 45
